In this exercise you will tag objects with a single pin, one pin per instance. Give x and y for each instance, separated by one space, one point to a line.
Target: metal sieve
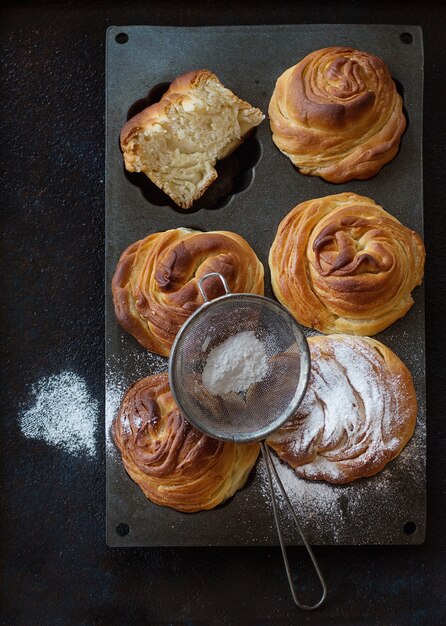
252 414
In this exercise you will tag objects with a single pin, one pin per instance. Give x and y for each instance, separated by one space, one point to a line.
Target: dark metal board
388 508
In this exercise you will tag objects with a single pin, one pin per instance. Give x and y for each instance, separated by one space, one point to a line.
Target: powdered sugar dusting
317 501
367 511
64 414
235 364
114 392
350 419
331 511
140 363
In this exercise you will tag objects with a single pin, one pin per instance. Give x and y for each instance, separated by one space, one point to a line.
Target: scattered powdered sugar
206 343
114 392
235 364
311 332
307 498
317 504
369 510
64 414
351 415
122 371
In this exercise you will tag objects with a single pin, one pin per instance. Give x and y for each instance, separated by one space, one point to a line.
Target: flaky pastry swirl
337 114
358 413
155 285
173 463
341 263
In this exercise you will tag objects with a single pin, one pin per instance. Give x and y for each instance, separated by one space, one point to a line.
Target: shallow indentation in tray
235 175
388 508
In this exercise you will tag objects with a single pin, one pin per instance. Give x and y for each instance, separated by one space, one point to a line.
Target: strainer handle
271 469
203 278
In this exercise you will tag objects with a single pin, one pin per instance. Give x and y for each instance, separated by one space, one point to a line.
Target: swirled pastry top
337 114
173 463
343 264
155 284
358 413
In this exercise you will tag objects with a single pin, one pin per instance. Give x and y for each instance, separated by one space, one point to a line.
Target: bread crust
181 94
157 113
359 411
155 284
337 114
342 264
173 463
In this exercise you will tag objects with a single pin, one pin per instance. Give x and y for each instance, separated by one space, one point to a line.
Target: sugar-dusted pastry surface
358 413
342 263
155 284
173 463
337 114
177 141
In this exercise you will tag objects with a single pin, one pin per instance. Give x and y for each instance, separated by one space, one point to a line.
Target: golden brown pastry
173 463
343 264
337 114
177 141
358 413
155 285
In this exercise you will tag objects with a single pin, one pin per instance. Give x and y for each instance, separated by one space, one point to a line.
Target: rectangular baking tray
388 508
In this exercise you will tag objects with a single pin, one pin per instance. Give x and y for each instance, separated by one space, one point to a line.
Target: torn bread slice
177 141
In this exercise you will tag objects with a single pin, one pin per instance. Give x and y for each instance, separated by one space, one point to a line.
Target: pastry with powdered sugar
358 413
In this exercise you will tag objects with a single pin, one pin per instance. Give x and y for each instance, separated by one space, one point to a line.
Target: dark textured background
55 565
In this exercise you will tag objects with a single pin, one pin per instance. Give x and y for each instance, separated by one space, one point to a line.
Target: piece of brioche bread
177 141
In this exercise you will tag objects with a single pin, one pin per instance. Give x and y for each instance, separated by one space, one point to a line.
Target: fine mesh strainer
253 414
